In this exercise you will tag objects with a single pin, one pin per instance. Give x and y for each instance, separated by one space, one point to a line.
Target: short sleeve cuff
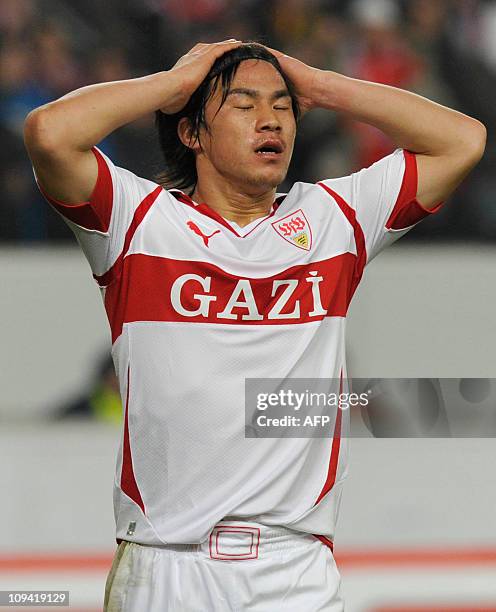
94 214
407 210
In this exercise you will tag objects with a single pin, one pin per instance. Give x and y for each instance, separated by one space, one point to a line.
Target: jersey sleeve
383 197
102 223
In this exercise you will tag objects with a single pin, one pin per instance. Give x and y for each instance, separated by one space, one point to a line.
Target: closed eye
244 107
281 107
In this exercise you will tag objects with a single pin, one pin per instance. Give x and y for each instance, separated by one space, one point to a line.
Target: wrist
331 90
169 82
171 87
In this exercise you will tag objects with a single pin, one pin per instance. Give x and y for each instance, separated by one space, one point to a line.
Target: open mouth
270 149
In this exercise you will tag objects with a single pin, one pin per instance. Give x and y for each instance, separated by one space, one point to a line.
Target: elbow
40 135
475 141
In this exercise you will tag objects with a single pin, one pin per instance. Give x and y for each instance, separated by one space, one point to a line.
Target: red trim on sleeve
96 212
128 480
407 210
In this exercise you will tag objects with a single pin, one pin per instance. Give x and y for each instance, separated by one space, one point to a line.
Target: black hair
180 164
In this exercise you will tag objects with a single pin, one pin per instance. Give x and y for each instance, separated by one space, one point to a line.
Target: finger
214 47
222 42
275 52
226 45
215 44
196 47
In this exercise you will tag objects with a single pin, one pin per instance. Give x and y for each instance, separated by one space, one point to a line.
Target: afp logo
295 229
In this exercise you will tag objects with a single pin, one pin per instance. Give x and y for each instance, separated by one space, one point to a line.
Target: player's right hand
192 68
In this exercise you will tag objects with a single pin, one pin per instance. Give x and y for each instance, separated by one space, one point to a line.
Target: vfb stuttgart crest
295 229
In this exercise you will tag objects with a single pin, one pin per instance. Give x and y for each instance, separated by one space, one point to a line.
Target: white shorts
241 567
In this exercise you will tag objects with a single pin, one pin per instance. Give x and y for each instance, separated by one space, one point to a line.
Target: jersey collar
205 209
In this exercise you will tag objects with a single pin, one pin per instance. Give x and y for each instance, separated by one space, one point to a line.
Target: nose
268 121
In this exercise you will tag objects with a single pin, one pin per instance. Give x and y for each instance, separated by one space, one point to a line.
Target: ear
184 131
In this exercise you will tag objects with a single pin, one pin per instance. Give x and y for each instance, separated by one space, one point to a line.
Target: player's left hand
304 79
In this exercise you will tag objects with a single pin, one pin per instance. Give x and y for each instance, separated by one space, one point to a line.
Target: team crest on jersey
295 229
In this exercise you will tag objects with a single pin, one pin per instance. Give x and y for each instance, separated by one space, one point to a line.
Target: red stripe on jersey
128 481
325 541
407 210
139 214
361 257
161 289
96 212
336 442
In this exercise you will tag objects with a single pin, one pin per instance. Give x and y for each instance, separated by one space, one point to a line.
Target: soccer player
209 277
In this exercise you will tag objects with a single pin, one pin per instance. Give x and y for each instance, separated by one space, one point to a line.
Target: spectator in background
426 21
59 71
383 55
442 49
102 402
22 215
466 57
17 19
110 64
35 66
20 85
316 36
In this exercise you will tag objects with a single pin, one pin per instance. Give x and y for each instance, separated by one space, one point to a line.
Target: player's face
250 139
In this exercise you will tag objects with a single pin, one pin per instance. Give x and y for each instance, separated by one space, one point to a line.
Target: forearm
411 121
82 118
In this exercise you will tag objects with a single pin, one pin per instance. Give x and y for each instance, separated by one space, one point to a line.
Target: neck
233 203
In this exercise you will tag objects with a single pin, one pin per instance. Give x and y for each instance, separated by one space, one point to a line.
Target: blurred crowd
443 49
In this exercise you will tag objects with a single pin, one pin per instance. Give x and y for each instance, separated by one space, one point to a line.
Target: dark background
445 50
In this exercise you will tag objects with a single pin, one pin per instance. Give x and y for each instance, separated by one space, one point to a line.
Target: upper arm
440 175
68 175
99 207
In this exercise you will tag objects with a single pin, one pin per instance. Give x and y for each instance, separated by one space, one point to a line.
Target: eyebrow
253 93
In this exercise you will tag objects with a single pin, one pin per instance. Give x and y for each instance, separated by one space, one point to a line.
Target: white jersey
196 305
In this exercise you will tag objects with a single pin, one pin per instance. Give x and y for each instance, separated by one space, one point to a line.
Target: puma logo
206 237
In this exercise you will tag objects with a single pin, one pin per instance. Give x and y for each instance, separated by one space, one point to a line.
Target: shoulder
323 191
120 178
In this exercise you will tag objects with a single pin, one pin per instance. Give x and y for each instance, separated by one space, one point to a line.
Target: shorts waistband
235 540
